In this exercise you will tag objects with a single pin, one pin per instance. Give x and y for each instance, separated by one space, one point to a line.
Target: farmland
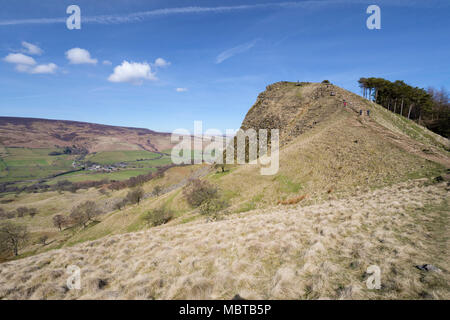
24 166
111 157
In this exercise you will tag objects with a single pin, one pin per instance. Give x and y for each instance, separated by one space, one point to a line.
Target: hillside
43 133
363 189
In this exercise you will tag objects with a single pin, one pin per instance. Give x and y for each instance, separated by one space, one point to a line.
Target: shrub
32 212
21 211
120 204
43 240
158 216
10 215
103 191
212 206
199 191
326 81
157 190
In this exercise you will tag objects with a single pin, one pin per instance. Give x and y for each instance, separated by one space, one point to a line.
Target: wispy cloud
143 15
235 50
140 16
31 48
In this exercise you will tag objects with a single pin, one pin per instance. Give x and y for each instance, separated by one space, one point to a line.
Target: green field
27 165
19 164
111 157
97 176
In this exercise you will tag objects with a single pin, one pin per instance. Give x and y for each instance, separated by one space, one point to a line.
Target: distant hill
45 133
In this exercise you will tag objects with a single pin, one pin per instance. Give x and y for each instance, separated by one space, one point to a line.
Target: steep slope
329 149
43 133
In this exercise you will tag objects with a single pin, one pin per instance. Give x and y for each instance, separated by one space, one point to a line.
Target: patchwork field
19 164
111 157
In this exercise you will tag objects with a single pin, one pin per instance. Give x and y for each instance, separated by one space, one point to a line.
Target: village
95 167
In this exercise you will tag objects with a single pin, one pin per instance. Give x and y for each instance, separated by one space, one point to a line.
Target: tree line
430 108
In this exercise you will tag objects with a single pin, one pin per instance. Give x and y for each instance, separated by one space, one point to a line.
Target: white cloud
27 64
19 58
39 69
233 51
44 68
181 89
31 48
133 72
80 56
107 62
22 68
160 62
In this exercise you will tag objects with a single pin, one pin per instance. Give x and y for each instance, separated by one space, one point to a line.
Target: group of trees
428 107
80 215
133 197
18 213
60 186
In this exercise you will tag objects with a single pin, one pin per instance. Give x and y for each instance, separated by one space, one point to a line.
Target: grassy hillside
369 196
310 252
44 133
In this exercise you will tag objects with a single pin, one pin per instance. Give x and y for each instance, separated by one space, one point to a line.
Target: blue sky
215 57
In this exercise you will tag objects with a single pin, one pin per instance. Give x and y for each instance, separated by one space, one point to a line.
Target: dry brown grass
293 200
317 251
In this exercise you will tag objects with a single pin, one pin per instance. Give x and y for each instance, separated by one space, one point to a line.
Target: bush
158 216
157 190
120 204
43 240
198 191
326 81
212 206
21 211
32 212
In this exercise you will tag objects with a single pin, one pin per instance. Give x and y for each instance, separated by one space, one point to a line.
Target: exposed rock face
293 108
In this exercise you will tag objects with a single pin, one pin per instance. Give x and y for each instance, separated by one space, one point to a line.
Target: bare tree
12 237
59 221
136 195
